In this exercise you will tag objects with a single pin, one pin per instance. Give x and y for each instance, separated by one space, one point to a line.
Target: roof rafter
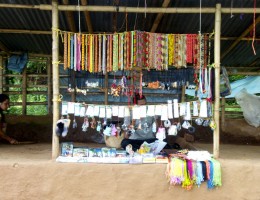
159 16
87 17
69 17
240 37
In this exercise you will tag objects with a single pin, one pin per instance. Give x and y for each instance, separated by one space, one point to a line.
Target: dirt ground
28 173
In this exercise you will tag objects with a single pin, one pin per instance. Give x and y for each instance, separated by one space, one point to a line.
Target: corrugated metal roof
232 25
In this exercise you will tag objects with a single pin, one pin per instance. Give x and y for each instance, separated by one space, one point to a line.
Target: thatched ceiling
26 26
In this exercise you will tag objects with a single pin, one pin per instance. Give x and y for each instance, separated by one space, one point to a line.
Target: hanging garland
124 51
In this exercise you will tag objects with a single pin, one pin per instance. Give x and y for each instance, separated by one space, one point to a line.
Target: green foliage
233 78
33 67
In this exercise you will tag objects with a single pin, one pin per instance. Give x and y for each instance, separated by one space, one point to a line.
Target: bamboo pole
24 92
124 9
106 89
1 74
217 78
183 91
49 92
244 73
223 102
147 10
41 32
55 77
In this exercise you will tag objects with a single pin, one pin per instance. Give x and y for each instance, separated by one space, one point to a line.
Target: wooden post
183 90
106 89
49 77
55 77
223 102
1 74
217 78
24 92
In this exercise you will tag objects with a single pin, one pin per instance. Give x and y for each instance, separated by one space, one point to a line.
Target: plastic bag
250 105
225 88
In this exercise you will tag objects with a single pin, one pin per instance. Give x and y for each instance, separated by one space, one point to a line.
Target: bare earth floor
27 173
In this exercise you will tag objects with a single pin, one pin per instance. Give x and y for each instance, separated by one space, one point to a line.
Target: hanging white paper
195 108
176 108
76 109
142 110
164 113
102 112
115 110
158 110
121 111
70 107
136 112
64 108
203 108
182 109
96 111
150 111
90 111
170 113
82 111
108 112
127 112
188 113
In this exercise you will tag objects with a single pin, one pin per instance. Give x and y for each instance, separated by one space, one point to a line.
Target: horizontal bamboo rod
244 73
22 31
132 9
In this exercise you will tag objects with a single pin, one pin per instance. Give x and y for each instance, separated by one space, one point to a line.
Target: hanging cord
200 71
145 6
79 17
231 14
136 15
254 28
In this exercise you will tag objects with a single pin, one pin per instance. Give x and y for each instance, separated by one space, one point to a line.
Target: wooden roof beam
133 9
240 37
87 17
69 17
159 16
4 48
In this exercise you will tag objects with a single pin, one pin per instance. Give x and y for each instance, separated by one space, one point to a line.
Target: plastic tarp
250 83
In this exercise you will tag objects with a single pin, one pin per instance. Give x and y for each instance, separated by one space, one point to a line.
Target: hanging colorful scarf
82 52
75 52
65 66
78 52
199 173
146 50
216 173
175 171
187 183
115 52
165 55
86 53
68 60
104 70
91 53
99 53
71 51
96 53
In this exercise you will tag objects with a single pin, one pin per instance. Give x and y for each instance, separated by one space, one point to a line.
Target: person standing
4 105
